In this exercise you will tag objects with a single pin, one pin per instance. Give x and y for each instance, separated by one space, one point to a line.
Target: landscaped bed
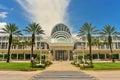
18 66
105 66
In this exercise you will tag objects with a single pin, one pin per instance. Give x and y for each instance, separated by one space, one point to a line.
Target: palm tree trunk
9 46
111 53
90 50
90 53
110 44
33 39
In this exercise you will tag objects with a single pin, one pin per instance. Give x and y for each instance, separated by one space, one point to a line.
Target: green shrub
43 57
14 56
1 59
1 56
77 65
39 66
82 67
86 66
102 56
47 63
21 56
87 56
89 66
73 63
116 56
42 65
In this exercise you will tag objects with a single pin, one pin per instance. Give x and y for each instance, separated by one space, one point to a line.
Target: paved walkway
62 66
105 75
17 75
62 71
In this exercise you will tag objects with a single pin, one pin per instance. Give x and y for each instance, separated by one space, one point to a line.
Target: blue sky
98 12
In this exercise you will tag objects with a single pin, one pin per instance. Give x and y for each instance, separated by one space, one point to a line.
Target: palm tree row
35 29
88 30
12 29
24 44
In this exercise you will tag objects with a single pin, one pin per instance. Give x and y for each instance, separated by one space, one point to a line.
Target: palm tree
15 42
109 31
95 42
34 29
11 29
87 29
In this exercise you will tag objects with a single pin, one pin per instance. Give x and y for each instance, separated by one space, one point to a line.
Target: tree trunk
111 54
90 50
110 45
33 40
9 46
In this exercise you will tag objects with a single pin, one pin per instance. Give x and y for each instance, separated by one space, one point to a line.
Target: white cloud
47 12
3 15
2 25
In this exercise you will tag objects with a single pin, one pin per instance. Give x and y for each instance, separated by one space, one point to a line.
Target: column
105 56
3 56
119 55
114 47
35 44
98 56
24 56
17 56
53 55
68 55
105 47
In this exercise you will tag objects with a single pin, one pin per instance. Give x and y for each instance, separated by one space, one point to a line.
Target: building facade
61 45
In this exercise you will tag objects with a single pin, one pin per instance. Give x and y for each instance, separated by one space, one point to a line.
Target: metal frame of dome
61 30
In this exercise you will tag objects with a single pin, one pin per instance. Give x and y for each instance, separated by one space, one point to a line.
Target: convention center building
61 44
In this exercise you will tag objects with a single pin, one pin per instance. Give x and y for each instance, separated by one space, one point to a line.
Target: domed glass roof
60 27
61 34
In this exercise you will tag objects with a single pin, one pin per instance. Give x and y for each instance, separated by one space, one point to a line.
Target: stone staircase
63 75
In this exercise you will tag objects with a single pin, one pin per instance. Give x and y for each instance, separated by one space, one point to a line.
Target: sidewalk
105 75
62 66
17 75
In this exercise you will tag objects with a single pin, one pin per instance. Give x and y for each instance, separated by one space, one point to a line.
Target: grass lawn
105 66
17 66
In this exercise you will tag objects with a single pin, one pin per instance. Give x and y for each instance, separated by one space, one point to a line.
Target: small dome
61 29
61 33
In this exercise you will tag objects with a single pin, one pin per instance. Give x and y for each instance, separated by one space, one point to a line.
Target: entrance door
60 55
